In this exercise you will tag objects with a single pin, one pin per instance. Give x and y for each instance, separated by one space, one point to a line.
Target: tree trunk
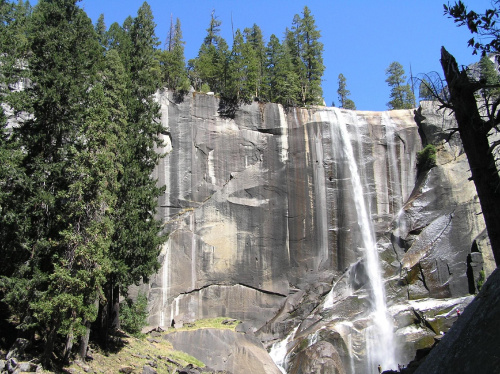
474 135
49 343
69 345
115 308
84 340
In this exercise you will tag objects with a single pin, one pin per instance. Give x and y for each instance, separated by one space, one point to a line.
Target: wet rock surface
262 227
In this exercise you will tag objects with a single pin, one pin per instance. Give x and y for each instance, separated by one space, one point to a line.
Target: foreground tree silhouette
475 125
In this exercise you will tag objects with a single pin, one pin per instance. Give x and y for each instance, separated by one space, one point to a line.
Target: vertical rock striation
262 222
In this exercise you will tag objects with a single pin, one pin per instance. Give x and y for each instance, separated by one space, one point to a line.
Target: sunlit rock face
263 226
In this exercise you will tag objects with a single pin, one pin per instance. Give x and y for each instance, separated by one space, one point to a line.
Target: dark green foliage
173 64
483 25
311 54
135 246
344 93
255 42
289 73
243 71
426 158
481 280
133 315
306 54
489 78
78 167
426 90
282 81
401 95
100 29
211 65
69 175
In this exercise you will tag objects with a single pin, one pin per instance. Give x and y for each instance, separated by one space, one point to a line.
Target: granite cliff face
265 227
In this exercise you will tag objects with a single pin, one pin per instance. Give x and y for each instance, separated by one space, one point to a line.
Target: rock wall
262 224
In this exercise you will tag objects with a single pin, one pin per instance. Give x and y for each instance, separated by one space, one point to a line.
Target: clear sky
361 37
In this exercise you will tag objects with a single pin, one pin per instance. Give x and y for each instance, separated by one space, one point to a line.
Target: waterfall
380 336
279 351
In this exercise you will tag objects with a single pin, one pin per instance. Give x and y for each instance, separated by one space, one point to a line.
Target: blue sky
361 37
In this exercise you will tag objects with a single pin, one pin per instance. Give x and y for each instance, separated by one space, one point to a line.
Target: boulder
224 350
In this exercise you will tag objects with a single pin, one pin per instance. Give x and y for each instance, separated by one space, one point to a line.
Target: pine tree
100 29
401 95
282 82
68 161
312 56
255 41
344 93
211 65
136 245
243 69
306 52
174 74
118 37
489 75
425 90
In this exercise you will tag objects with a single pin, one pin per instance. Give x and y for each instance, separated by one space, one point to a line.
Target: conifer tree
172 60
312 56
344 93
282 82
118 37
212 61
100 29
255 41
14 48
135 246
306 52
243 70
68 158
489 75
425 90
401 95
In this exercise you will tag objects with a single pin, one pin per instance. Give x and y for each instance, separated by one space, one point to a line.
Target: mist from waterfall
279 351
380 336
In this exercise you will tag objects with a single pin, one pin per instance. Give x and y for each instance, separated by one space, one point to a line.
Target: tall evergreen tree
243 70
14 49
306 52
312 56
282 80
118 37
344 93
174 74
67 158
489 75
401 94
255 41
136 245
100 29
211 63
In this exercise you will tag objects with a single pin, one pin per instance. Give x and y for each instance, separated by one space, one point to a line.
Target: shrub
426 158
133 315
481 280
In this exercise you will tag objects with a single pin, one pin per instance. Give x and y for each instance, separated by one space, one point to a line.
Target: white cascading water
279 351
380 336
